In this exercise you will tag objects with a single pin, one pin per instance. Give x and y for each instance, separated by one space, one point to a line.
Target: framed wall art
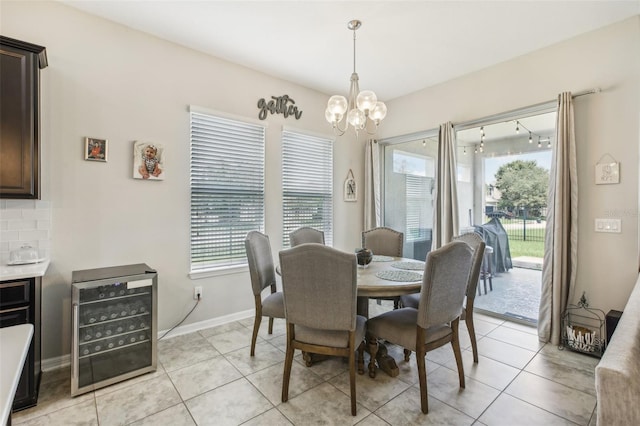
607 172
95 149
350 189
148 161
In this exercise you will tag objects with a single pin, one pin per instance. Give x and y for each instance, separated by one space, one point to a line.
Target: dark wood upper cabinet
20 65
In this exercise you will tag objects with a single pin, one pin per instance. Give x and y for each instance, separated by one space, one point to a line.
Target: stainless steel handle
75 342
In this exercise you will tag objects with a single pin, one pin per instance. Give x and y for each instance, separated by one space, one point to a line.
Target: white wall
107 81
608 122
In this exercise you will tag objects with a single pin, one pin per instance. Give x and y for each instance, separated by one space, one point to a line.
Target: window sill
227 270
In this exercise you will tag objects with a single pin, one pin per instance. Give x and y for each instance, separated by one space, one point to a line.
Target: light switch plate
608 225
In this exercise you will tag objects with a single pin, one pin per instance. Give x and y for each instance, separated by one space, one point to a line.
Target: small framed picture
350 189
607 173
95 149
148 161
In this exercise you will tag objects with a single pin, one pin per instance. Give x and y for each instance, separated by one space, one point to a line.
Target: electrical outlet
197 291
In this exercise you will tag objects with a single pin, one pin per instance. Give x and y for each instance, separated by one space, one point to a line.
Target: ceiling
402 46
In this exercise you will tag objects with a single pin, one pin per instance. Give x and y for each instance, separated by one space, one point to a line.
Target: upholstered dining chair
384 241
304 235
435 322
319 285
478 246
263 275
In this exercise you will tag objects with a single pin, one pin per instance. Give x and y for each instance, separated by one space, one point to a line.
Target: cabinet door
19 121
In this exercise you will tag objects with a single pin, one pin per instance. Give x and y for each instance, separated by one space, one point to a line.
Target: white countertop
16 272
14 346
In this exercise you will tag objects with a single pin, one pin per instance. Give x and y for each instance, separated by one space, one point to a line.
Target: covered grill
496 236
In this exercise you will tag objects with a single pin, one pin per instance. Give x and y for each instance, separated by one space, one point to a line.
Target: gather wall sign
278 105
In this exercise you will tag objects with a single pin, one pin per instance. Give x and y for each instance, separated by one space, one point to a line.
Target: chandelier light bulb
379 112
337 105
366 100
549 143
517 127
539 144
356 118
331 117
531 140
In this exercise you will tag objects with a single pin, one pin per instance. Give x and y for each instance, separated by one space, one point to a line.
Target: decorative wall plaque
278 105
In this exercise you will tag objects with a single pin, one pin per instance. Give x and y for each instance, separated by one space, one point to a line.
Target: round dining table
384 276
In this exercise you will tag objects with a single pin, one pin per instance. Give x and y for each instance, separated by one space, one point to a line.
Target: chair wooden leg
361 357
254 337
468 319
422 376
352 376
288 361
270 325
455 343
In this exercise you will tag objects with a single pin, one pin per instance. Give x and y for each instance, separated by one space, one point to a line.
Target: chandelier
362 110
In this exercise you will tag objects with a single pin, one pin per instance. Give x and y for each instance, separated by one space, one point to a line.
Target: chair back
306 235
260 261
383 241
444 284
476 242
319 284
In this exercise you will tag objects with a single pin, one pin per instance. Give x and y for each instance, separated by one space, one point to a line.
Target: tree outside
523 187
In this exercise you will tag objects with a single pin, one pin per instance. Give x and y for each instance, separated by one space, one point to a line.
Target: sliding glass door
409 172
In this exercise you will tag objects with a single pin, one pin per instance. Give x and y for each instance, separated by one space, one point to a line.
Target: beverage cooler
114 325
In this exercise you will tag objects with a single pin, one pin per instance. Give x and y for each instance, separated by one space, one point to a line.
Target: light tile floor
208 378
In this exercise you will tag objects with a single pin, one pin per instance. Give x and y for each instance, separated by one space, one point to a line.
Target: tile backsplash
25 222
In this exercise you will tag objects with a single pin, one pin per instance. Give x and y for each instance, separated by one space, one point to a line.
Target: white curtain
372 185
445 209
561 236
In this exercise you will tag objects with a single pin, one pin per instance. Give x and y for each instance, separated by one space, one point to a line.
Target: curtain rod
536 109
515 114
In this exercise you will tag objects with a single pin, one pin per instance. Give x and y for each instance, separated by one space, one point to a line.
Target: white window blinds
307 184
419 203
227 189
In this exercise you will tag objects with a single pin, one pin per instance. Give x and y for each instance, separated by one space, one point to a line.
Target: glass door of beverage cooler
114 331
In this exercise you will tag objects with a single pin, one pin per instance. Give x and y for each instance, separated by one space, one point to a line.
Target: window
227 189
307 184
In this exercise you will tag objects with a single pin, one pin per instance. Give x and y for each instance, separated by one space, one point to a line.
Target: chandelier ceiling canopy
361 110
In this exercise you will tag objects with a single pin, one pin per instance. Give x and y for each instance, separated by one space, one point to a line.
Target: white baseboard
63 361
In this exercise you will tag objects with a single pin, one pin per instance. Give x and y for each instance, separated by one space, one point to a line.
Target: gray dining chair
384 241
304 235
320 285
476 243
262 272
435 322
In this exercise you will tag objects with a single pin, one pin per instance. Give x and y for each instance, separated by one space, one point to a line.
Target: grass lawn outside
519 248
